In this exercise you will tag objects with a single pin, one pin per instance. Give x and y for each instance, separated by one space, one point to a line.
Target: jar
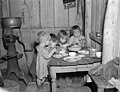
98 34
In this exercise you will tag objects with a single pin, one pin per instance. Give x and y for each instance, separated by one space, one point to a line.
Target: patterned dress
42 61
77 40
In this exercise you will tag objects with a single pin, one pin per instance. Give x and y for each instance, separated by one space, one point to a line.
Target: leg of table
54 86
53 77
100 89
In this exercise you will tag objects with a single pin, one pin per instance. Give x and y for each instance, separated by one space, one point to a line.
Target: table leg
53 77
54 86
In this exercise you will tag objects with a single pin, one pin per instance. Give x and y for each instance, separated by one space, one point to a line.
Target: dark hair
73 28
53 37
64 32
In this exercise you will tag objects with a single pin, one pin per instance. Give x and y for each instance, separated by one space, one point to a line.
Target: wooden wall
97 18
0 25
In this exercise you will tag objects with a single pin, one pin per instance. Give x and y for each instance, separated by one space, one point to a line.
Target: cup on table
98 54
92 52
72 54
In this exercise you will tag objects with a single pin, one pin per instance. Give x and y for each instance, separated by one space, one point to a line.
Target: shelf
94 38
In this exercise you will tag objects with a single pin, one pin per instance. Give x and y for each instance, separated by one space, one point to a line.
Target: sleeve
71 40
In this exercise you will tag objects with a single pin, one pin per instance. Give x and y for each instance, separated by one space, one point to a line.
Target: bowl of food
74 48
72 54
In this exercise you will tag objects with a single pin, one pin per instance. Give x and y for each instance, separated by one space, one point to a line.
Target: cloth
42 62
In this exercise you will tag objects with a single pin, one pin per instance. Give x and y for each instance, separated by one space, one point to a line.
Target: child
76 37
45 50
63 39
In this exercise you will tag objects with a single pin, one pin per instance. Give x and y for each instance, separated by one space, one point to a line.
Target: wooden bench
101 83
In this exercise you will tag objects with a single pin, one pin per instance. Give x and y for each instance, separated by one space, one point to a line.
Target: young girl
76 37
63 38
44 52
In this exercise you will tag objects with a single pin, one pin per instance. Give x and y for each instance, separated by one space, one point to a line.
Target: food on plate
73 59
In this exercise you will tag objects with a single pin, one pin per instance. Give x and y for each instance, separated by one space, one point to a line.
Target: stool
11 85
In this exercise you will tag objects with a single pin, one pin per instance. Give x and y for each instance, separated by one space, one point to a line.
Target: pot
11 22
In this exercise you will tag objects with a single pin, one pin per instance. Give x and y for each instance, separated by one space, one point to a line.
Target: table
60 66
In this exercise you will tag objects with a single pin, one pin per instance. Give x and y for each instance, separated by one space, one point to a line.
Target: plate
60 55
57 56
73 59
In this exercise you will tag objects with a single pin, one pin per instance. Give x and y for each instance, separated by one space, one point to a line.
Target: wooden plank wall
88 23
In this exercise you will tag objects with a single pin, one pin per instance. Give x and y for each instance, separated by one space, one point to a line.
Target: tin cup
92 52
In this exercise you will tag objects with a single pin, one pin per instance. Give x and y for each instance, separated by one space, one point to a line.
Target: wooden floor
32 85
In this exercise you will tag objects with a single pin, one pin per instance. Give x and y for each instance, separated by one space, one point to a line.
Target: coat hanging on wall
69 3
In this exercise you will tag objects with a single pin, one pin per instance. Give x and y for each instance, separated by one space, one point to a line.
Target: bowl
98 54
72 54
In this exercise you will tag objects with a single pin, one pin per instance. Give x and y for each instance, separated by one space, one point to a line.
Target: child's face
76 32
63 39
44 39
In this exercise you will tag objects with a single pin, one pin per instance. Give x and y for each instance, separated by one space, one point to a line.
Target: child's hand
54 50
58 50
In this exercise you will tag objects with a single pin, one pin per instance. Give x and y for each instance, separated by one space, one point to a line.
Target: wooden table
54 69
